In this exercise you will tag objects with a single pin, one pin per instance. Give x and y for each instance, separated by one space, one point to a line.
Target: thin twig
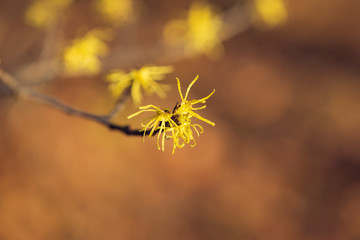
48 65
119 105
27 93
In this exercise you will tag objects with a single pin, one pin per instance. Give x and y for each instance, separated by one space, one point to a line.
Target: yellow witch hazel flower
144 78
186 108
44 13
176 125
115 11
82 56
160 122
198 33
271 12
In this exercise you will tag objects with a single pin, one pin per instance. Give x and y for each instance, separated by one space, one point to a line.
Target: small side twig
27 93
119 105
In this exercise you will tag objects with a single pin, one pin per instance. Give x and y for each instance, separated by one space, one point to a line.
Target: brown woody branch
26 93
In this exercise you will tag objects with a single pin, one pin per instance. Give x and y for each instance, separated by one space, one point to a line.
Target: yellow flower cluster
82 56
271 12
44 13
198 33
145 78
115 11
176 125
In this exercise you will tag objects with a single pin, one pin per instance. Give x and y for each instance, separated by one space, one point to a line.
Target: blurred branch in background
201 31
235 20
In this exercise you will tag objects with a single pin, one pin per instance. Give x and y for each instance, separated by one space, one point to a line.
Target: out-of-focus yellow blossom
271 12
82 56
198 33
176 125
145 78
116 11
44 13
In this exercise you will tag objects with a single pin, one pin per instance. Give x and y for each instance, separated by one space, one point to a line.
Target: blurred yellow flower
176 125
271 12
82 56
116 11
198 33
145 77
44 13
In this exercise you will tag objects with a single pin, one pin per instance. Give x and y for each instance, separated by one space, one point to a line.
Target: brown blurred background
282 162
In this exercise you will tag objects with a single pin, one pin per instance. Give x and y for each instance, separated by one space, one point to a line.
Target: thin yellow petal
179 88
202 119
137 113
190 85
153 129
202 100
198 108
149 106
136 92
193 126
199 126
